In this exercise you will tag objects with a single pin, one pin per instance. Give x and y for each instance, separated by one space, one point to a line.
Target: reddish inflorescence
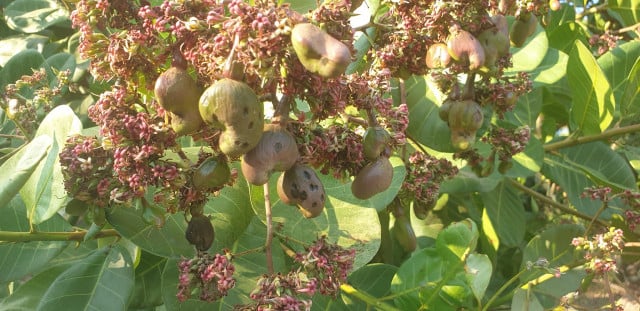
424 176
211 275
601 250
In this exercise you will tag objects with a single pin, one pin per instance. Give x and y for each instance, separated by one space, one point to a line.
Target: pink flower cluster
211 275
424 176
600 251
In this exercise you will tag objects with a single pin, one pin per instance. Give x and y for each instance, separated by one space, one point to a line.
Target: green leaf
31 16
563 36
529 56
10 46
147 292
527 109
102 281
593 101
342 191
457 241
44 192
467 181
630 103
628 10
21 64
553 245
551 70
373 279
17 170
362 45
587 165
478 271
168 241
28 295
528 161
617 65
506 213
423 269
20 259
524 300
302 6
425 126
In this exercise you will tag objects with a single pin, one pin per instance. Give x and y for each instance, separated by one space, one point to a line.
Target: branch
11 236
561 207
591 10
268 242
569 142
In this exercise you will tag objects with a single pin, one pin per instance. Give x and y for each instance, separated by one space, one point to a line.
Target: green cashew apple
200 232
404 234
522 28
300 186
319 52
465 118
374 141
372 179
176 91
438 56
234 108
187 124
213 172
465 48
495 45
276 151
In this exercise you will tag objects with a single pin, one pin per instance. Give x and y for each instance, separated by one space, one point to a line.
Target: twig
11 236
569 142
368 299
591 10
268 242
555 204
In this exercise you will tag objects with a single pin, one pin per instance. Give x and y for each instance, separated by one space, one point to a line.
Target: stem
368 299
10 236
502 289
267 243
632 244
249 251
386 247
555 204
569 142
628 28
591 10
600 210
13 136
607 286
289 239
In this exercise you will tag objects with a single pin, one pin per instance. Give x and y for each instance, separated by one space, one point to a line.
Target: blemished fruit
523 27
495 45
276 151
319 52
176 91
211 173
465 48
200 232
234 108
374 141
372 179
300 186
438 56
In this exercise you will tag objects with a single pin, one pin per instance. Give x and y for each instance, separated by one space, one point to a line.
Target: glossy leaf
28 295
21 64
628 10
478 271
531 54
17 170
551 71
530 160
506 213
630 103
168 241
617 65
302 6
593 101
102 281
457 241
10 46
362 45
425 126
585 166
467 181
525 300
44 192
423 269
148 278
527 109
31 16
373 279
563 36
554 245
20 259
